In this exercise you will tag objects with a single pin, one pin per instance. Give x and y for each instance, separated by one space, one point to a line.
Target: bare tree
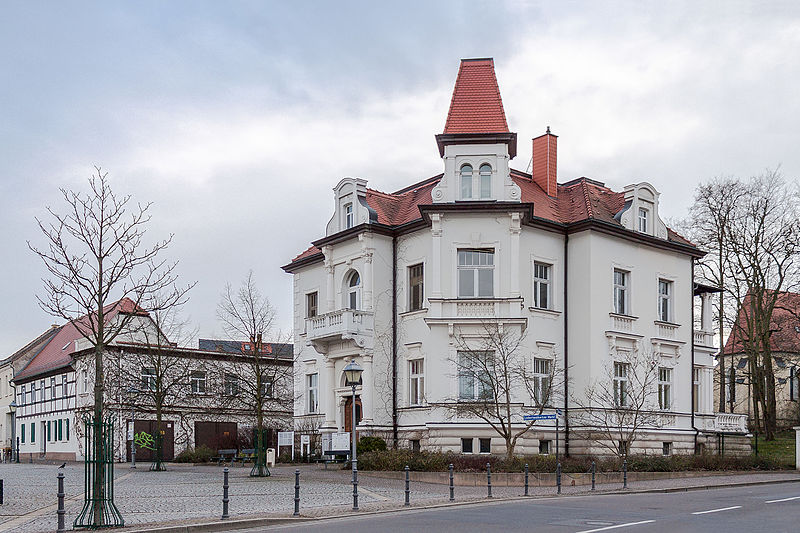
95 256
617 406
499 384
263 386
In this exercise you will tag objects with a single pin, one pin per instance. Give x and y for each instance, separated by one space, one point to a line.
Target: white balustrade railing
621 322
703 338
337 323
730 423
475 308
665 330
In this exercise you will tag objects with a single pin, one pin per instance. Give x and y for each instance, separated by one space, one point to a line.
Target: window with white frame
33 392
148 379
267 388
231 384
416 380
621 278
621 384
794 384
311 304
52 391
485 445
696 373
475 273
348 215
466 182
64 388
85 381
466 445
197 379
541 285
643 219
665 388
22 394
666 448
486 181
541 380
664 300
312 398
474 383
354 291
416 286
544 447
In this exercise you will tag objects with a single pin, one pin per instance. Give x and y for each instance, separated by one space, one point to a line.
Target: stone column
367 282
797 447
705 313
330 394
514 230
330 290
436 256
708 389
367 390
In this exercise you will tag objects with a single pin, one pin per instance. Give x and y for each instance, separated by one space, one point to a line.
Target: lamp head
352 372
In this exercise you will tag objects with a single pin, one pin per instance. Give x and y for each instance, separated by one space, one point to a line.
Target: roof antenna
548 130
528 168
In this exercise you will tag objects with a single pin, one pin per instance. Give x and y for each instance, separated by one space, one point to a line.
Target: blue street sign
538 417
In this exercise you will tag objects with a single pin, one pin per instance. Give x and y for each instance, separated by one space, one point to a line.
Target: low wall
538 479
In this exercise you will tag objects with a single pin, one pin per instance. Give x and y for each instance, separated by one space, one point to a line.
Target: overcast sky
237 118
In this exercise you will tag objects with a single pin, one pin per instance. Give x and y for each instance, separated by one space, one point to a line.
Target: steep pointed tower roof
476 112
476 106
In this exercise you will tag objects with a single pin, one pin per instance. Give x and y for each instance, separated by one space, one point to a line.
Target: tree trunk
98 489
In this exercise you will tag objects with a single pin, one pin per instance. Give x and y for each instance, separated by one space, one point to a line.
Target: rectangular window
23 433
49 439
231 384
621 292
416 293
148 379
621 384
473 382
664 300
33 433
64 385
486 182
52 387
541 285
414 445
665 388
85 381
33 392
541 380
311 304
666 448
544 447
485 445
416 374
475 273
311 393
466 183
60 429
623 446
696 389
197 380
466 445
66 428
348 216
267 389
794 384
643 215
22 395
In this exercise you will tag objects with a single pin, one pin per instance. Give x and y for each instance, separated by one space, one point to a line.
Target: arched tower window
353 299
466 182
486 181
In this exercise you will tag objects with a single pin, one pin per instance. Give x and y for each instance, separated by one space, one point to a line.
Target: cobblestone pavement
194 493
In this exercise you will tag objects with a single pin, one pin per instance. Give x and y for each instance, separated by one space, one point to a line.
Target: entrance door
167 440
348 413
216 435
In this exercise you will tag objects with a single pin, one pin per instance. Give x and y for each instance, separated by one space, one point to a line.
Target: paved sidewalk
193 494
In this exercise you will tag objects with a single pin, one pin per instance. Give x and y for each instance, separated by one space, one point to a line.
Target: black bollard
408 492
61 512
452 492
625 474
558 477
225 498
593 471
526 479
296 493
1 492
489 479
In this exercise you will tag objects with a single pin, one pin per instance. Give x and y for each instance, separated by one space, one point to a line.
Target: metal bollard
558 477
296 493
225 498
526 479
61 512
408 492
489 479
1 492
452 492
355 487
593 472
625 474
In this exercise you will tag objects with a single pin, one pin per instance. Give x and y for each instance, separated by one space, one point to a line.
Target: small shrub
371 444
201 454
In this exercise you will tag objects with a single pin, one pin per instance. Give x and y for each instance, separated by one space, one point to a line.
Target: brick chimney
544 162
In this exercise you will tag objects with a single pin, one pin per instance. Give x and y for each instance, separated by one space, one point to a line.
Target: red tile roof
476 105
785 325
58 352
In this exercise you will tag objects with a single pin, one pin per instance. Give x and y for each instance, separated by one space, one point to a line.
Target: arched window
486 181
353 291
466 182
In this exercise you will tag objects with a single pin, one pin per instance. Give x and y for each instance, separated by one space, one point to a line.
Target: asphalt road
770 508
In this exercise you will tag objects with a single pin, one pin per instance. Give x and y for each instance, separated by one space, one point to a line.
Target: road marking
615 527
783 500
719 510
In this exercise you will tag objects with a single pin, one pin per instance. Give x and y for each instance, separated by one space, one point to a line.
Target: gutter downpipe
394 340
691 374
566 351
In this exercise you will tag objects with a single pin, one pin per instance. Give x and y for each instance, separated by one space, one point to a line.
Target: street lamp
13 408
352 374
131 391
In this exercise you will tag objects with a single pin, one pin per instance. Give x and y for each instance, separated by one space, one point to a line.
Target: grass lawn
781 449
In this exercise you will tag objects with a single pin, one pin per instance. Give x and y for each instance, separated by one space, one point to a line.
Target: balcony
704 338
666 330
730 423
344 324
475 310
622 323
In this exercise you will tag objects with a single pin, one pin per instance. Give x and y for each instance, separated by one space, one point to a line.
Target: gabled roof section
785 325
32 348
476 105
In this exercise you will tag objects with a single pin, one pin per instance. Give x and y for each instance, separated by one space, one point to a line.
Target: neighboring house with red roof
585 272
785 350
54 382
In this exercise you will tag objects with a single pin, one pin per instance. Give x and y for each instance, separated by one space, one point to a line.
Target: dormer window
348 216
486 182
643 220
466 182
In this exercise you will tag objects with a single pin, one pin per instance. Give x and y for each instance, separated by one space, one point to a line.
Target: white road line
718 510
783 500
615 527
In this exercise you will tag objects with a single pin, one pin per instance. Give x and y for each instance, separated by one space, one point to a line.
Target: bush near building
201 454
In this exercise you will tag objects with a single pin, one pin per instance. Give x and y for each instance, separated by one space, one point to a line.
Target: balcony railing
666 330
730 423
703 338
472 309
621 322
343 323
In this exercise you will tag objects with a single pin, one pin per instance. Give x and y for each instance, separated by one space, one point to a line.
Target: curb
233 525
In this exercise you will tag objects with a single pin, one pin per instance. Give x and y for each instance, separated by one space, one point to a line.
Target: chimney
544 162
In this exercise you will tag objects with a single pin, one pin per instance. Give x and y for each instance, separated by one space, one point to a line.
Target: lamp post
13 409
352 374
132 391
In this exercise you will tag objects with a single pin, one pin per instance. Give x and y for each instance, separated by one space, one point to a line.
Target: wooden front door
348 413
167 440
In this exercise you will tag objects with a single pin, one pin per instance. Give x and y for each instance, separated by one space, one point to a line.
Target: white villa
584 275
